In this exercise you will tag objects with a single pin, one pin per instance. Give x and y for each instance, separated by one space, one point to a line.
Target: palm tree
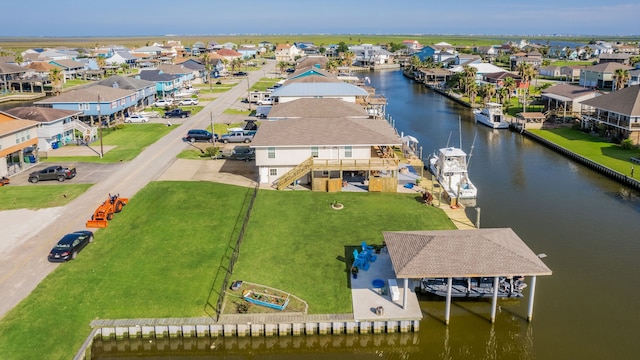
468 78
503 94
473 92
621 77
282 66
487 91
331 66
125 68
55 76
511 86
527 73
208 67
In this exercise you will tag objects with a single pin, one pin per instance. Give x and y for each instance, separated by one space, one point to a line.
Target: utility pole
100 124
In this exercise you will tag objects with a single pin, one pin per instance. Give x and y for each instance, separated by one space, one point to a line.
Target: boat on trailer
492 116
475 287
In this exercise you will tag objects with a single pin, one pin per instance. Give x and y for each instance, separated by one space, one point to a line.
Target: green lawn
129 142
40 196
161 255
591 147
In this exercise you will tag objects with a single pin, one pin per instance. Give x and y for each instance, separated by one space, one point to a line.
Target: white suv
163 103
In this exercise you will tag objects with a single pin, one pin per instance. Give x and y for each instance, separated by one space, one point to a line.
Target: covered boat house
448 254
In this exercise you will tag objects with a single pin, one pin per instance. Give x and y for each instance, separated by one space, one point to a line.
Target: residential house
39 69
317 108
286 53
153 52
634 77
317 61
370 55
70 68
487 52
324 152
122 57
228 54
442 53
145 90
571 73
18 137
195 65
533 58
198 48
185 74
338 90
9 72
412 46
57 127
498 78
618 111
248 52
550 71
601 76
565 100
97 102
166 84
617 58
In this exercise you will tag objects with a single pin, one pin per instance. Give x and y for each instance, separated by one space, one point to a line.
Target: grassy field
129 142
591 147
23 43
161 256
38 197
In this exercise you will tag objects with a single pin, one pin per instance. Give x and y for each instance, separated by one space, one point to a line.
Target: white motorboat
449 166
492 116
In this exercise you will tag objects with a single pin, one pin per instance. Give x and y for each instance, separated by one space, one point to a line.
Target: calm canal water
587 225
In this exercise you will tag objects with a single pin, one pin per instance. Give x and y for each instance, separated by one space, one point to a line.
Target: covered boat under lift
459 254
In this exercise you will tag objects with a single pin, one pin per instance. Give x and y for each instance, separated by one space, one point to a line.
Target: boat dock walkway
457 214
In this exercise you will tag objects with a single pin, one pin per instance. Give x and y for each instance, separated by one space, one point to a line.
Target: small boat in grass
475 287
264 299
492 116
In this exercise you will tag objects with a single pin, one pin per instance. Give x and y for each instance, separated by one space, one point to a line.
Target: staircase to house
294 174
86 130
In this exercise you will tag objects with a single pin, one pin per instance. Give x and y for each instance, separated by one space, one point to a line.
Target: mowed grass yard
593 148
162 254
128 141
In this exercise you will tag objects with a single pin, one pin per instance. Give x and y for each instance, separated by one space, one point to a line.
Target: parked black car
240 73
55 172
70 245
200 135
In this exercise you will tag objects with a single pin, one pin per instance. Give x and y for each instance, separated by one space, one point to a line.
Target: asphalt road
25 265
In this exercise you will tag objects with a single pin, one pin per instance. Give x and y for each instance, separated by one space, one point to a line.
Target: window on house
348 151
273 172
271 152
314 151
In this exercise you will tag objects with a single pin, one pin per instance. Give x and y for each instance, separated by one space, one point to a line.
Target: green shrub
627 144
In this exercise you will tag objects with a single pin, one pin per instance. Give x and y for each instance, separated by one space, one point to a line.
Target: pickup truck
237 137
55 172
177 113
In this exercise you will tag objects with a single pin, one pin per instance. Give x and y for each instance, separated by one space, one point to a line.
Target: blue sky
210 17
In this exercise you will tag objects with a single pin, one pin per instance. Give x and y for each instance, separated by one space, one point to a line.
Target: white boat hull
491 116
450 169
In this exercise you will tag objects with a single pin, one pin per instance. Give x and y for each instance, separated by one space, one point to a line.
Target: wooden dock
456 213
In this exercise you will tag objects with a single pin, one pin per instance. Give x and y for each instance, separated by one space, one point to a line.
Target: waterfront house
317 108
618 112
370 55
57 127
323 152
439 53
564 100
601 76
18 137
122 57
9 72
338 89
97 102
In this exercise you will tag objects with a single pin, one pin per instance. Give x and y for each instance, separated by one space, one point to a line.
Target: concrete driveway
25 253
87 173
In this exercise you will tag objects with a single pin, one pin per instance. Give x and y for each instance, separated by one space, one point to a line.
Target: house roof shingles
41 114
318 108
89 95
461 253
624 101
325 132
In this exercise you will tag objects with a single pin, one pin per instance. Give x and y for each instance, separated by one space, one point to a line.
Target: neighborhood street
25 250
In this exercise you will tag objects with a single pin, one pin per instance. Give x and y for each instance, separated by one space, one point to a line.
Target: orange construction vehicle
104 212
4 181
